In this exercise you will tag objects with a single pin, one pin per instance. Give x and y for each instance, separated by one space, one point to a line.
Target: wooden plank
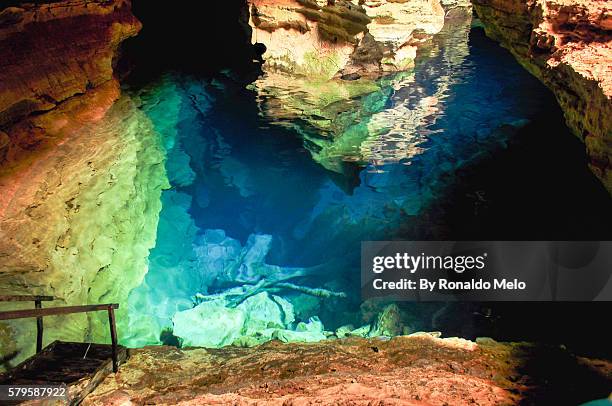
25 298
78 394
81 366
54 311
27 363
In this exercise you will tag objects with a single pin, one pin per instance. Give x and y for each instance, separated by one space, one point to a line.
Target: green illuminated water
274 186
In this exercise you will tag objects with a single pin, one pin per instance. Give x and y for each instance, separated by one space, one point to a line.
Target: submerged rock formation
409 370
568 46
257 319
54 50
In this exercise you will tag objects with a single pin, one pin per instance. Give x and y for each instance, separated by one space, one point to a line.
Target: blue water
239 179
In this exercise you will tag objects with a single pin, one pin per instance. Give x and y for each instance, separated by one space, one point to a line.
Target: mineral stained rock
568 46
401 26
81 211
80 180
407 370
54 50
322 39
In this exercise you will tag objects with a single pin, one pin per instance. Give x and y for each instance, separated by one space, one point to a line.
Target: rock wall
323 39
81 168
568 46
418 369
79 218
52 51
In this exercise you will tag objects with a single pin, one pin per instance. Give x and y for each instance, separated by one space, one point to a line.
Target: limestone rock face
568 46
324 39
346 122
305 37
79 212
401 26
54 50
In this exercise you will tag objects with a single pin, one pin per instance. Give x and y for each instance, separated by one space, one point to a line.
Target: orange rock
52 51
568 46
406 370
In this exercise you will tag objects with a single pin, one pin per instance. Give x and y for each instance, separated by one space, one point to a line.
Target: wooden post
39 327
113 332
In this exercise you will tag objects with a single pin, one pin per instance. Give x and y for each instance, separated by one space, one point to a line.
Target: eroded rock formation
78 219
568 46
54 50
344 38
80 180
345 116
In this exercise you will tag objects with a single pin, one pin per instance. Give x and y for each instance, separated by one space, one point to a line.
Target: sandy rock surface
407 370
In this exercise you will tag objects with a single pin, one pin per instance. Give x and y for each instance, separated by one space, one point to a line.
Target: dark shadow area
64 362
539 187
5 360
552 376
192 37
577 326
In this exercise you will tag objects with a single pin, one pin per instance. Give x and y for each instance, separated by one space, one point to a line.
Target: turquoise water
263 200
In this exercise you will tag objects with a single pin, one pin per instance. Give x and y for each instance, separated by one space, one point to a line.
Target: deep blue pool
256 196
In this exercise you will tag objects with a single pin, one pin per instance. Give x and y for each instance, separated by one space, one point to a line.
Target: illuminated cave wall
78 222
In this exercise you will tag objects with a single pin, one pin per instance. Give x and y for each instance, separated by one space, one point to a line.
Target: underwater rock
264 311
568 46
309 332
174 272
362 331
387 323
344 331
259 318
209 324
65 48
232 264
305 305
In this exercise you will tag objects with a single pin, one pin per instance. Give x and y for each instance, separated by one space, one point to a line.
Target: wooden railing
38 305
39 313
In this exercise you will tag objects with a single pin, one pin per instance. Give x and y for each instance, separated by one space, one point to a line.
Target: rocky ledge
54 50
568 46
419 369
